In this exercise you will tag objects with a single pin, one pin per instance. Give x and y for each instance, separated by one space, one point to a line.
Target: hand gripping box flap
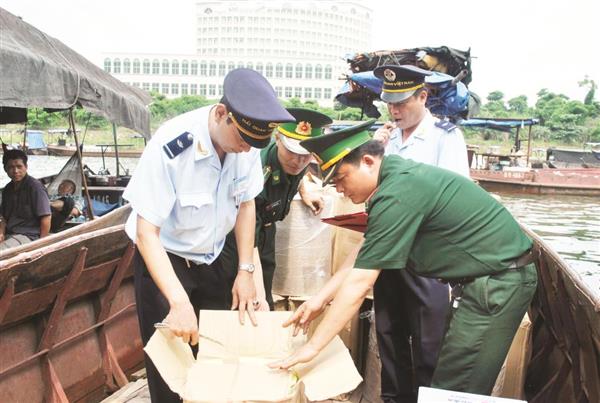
232 360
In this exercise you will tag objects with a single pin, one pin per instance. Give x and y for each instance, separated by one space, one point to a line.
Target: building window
175 89
250 66
222 67
212 90
107 65
298 92
165 66
288 92
185 68
155 67
318 72
278 91
136 85
203 90
126 66
145 86
212 69
240 64
299 70
203 68
164 88
175 67
278 70
308 71
231 66
269 70
155 87
317 93
289 70
194 89
327 93
328 72
220 90
259 68
117 66
136 66
308 93
194 69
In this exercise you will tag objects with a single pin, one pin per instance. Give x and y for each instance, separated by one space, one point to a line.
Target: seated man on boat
65 204
441 225
25 208
284 163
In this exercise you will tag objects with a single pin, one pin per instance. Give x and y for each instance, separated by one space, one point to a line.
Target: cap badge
273 125
389 75
303 128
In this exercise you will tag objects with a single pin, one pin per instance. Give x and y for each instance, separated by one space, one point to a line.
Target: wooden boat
565 335
580 182
573 158
68 328
68 151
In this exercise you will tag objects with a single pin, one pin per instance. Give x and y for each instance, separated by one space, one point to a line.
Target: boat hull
68 326
581 182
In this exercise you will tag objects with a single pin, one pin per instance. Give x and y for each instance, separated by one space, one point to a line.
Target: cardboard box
235 368
511 379
431 395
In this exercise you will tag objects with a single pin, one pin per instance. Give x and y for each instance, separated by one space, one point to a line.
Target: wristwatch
249 267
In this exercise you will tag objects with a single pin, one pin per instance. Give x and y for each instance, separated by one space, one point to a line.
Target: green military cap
330 149
400 82
308 124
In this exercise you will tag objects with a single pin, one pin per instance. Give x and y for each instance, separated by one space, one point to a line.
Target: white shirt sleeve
151 190
255 178
453 153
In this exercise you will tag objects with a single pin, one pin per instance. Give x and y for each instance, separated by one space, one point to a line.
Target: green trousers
481 330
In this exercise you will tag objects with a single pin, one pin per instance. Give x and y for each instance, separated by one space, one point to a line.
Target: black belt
523 260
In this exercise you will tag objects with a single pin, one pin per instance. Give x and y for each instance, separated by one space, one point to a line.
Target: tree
589 97
495 96
518 106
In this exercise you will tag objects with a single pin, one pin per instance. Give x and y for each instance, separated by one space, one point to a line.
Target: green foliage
163 109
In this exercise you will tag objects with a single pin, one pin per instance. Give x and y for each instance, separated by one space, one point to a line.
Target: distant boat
574 158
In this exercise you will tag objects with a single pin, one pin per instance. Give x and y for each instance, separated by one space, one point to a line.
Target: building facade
298 45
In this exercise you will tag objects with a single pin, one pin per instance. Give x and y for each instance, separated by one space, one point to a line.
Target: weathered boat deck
137 392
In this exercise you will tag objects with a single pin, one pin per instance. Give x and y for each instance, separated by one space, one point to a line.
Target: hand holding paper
354 221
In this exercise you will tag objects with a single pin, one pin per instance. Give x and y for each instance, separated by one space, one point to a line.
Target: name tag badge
238 188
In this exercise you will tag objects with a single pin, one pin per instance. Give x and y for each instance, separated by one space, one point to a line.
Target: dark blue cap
253 106
400 82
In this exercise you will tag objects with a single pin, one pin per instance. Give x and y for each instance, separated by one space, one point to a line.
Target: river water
571 225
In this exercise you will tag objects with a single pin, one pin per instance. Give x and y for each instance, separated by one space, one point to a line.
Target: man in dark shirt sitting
25 209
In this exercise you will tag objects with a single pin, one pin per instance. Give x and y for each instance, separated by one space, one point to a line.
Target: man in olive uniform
284 164
446 227
410 324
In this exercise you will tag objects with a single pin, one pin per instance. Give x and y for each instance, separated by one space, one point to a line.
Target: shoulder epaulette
174 147
445 125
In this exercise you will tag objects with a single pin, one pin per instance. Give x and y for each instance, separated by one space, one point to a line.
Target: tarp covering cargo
37 70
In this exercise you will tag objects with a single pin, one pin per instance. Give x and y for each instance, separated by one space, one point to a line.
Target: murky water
571 225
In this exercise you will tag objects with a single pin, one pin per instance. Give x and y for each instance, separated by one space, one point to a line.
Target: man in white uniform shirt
410 311
195 182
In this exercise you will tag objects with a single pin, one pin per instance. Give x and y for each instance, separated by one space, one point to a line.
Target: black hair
371 147
14 155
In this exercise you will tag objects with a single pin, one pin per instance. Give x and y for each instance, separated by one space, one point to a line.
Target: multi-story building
298 45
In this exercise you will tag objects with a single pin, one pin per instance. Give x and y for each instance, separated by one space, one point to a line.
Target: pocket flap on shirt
195 199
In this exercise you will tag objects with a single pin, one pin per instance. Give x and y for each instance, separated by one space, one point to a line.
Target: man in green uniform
284 164
450 229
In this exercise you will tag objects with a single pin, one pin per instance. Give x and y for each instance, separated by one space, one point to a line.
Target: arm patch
174 147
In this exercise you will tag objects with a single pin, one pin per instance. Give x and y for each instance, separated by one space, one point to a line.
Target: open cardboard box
237 370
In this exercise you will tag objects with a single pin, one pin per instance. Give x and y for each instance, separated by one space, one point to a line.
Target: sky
519 46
